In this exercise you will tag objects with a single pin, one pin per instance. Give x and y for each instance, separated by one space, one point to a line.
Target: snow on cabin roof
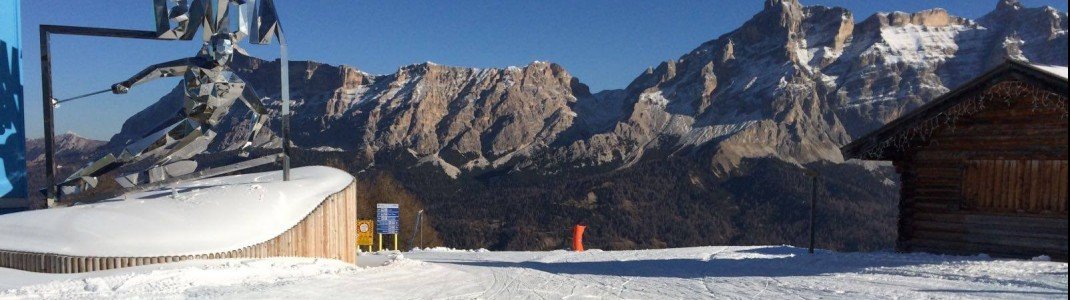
209 215
1058 71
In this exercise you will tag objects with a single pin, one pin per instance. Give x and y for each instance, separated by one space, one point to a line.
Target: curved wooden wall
329 231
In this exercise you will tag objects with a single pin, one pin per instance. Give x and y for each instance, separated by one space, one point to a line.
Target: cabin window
1015 186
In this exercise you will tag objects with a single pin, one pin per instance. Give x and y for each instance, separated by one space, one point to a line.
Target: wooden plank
967 248
1028 244
979 143
1037 221
1064 179
1033 179
1003 130
999 230
1042 153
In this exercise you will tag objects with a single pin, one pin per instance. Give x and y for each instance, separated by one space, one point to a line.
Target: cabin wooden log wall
993 182
329 231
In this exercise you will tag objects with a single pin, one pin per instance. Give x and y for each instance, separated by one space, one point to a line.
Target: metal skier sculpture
209 90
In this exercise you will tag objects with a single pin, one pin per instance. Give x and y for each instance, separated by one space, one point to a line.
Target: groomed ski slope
772 272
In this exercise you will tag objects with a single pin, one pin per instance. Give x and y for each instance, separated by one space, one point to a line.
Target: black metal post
284 69
48 107
813 208
50 128
416 230
103 32
286 147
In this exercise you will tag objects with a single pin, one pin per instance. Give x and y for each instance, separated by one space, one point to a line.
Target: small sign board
386 218
364 232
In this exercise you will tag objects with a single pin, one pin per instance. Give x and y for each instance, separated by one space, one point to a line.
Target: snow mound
207 216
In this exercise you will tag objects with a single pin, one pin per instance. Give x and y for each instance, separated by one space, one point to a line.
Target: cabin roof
1052 77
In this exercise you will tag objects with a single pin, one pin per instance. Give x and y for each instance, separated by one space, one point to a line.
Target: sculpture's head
221 48
179 12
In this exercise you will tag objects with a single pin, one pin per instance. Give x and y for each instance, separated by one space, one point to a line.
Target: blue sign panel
386 218
12 127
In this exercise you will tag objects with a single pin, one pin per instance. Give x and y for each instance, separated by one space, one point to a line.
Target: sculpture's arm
153 72
249 97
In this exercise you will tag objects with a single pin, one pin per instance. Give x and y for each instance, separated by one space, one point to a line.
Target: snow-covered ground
703 272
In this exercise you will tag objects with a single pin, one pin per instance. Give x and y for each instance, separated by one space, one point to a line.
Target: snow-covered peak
781 4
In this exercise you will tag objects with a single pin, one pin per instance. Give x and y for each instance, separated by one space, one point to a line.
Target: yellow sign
365 230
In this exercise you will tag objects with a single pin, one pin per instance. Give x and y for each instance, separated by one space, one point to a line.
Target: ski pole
57 102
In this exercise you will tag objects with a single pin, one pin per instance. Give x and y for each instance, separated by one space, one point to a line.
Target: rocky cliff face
794 82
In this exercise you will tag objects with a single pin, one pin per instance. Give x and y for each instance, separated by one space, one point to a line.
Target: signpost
364 233
386 221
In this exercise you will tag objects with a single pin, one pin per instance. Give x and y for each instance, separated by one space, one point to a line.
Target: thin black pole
58 102
284 70
286 147
416 230
50 128
813 208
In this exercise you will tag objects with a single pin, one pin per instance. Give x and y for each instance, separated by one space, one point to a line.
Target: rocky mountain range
795 82
69 147
787 88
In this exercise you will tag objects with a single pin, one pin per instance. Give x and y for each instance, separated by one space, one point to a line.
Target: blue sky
602 42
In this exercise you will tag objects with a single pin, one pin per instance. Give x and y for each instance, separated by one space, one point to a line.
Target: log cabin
983 168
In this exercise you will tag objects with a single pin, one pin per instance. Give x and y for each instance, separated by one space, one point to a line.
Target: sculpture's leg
176 159
258 122
154 146
86 177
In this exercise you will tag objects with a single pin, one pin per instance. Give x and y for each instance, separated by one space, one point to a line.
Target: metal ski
206 173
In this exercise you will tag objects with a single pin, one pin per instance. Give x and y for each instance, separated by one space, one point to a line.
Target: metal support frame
813 206
46 31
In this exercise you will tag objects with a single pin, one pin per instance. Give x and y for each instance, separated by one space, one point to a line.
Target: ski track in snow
767 272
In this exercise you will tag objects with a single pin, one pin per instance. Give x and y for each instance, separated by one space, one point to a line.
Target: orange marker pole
577 238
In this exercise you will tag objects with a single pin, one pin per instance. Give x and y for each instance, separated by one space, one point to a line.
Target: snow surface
210 215
1059 71
771 272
